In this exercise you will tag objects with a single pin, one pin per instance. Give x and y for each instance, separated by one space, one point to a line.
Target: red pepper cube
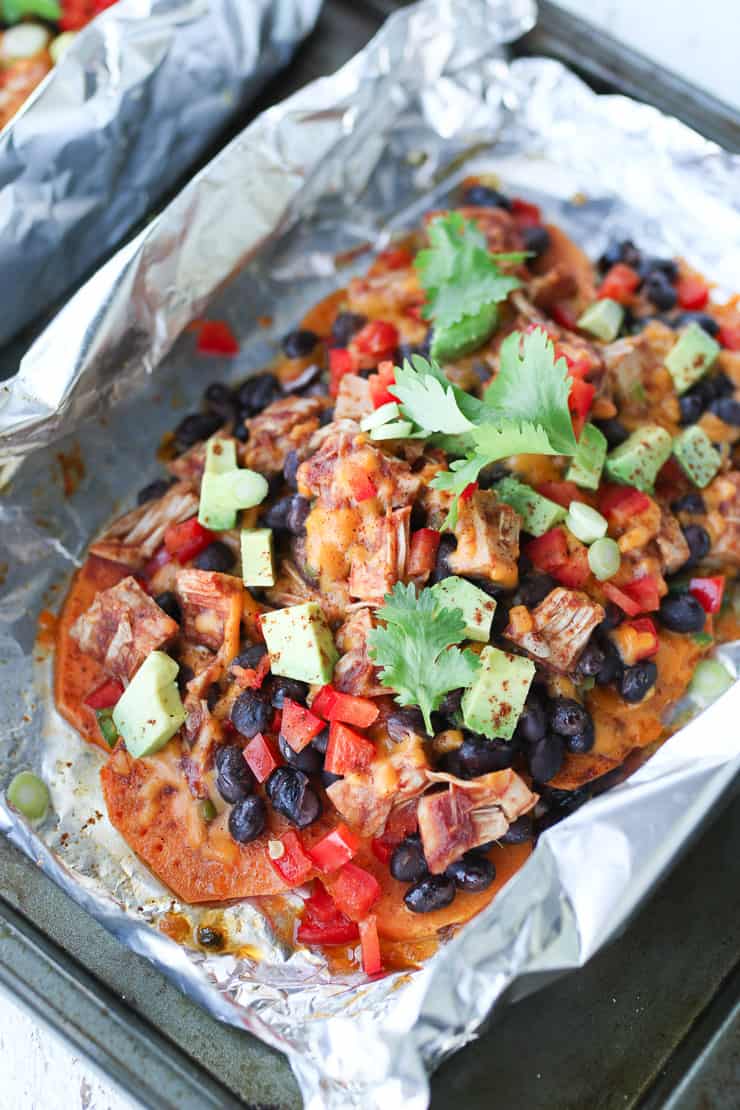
469 490
215 337
525 214
580 400
549 550
625 603
355 891
575 571
105 695
395 258
623 502
619 284
563 315
692 292
562 493
289 859
299 725
335 849
729 337
261 757
339 931
374 343
323 701
382 848
644 592
353 710
320 906
186 540
423 552
372 962
708 592
380 384
340 363
347 751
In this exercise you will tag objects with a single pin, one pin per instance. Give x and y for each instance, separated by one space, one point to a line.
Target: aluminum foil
345 162
140 95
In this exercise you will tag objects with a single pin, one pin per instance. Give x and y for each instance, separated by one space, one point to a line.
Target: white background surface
698 41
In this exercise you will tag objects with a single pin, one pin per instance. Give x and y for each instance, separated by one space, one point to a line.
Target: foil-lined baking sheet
142 92
345 162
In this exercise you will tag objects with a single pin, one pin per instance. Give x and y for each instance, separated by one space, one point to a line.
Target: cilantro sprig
416 649
431 401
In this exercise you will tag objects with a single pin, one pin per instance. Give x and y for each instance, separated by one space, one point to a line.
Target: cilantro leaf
428 398
415 649
458 273
532 386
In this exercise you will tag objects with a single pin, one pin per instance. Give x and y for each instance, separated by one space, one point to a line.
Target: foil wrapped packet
263 231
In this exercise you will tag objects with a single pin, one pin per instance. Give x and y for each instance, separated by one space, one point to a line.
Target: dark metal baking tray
652 1022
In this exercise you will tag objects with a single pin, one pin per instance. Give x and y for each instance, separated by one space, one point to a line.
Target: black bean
703 319
623 251
251 713
568 717
326 417
217 556
402 722
681 613
449 707
441 567
210 938
234 779
449 762
483 196
534 588
185 675
247 819
691 502
290 469
699 543
519 831
292 795
613 617
727 409
156 489
613 430
431 893
168 602
297 515
212 695
249 656
218 398
328 779
258 392
196 427
611 669
491 473
718 385
308 760
241 431
545 758
407 863
532 723
582 742
637 680
477 755
536 239
659 290
321 742
473 872
665 266
299 343
590 661
346 324
691 405
292 688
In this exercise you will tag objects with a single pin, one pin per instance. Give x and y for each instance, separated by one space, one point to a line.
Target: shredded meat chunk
365 800
354 673
343 460
498 226
133 538
671 543
378 561
487 533
381 294
189 466
722 497
557 630
204 734
211 605
353 399
285 425
121 627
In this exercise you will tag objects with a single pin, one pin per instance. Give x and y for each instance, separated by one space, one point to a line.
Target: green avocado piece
588 461
223 494
220 455
691 356
539 514
465 335
476 606
696 455
603 319
257 563
149 712
636 462
300 643
493 704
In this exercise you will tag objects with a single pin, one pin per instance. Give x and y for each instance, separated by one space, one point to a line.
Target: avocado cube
636 462
476 606
698 458
588 461
493 704
300 643
150 712
220 455
691 356
539 514
603 319
257 564
223 494
465 335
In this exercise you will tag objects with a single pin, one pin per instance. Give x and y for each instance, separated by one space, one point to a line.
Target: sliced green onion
381 416
107 727
61 45
584 522
397 429
604 558
29 794
710 679
207 809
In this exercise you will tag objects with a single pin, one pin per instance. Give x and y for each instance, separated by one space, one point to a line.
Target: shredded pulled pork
354 673
211 605
284 426
469 813
204 734
671 543
189 466
722 497
365 800
353 399
487 533
121 627
133 538
556 631
343 461
379 558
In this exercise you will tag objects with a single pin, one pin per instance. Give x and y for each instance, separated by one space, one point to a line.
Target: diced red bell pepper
372 963
355 891
186 540
105 695
382 849
574 572
619 283
625 501
548 551
261 757
395 258
362 485
578 368
251 678
564 315
708 592
644 592
334 932
299 725
320 906
562 493
636 640
276 724
323 701
729 337
580 400
292 864
340 363
376 341
215 337
333 705
692 292
423 552
158 560
525 214
469 490
347 751
335 849
625 603
380 384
